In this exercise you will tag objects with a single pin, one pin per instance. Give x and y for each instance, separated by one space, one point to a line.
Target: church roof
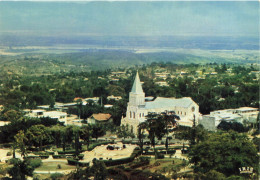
137 87
161 102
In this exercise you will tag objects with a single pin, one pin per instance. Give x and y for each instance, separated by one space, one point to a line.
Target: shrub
56 176
8 154
58 166
35 162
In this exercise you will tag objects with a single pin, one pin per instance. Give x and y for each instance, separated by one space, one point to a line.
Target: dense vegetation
213 86
234 86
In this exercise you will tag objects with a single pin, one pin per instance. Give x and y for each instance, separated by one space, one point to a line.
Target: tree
125 131
168 119
86 133
193 135
155 127
236 126
224 152
38 135
20 169
20 142
57 134
98 131
76 140
99 170
140 135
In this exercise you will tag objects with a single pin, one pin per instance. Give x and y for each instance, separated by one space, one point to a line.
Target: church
138 108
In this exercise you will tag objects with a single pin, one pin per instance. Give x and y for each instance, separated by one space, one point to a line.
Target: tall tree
169 119
20 142
86 133
140 135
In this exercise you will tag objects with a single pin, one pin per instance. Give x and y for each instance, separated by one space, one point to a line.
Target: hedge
32 157
92 146
170 151
44 156
115 162
69 152
76 162
140 164
43 153
60 156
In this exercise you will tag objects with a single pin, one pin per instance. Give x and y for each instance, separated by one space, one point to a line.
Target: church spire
137 88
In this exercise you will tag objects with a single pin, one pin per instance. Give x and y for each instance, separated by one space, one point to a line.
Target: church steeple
137 96
137 88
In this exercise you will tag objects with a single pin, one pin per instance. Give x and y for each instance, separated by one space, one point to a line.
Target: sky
114 18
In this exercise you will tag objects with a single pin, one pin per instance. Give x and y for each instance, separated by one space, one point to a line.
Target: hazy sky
131 18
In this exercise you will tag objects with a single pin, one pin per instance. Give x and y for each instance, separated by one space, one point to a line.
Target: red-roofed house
100 118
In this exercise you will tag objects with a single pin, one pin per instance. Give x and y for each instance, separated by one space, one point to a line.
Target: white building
38 113
138 108
212 120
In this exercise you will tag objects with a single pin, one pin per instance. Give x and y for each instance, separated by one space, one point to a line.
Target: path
97 152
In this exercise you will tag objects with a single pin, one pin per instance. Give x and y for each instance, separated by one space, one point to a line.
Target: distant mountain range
186 42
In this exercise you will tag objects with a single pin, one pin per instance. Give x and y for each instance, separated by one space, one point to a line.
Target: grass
53 166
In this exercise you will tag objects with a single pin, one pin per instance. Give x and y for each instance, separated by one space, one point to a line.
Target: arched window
193 109
130 114
140 115
134 115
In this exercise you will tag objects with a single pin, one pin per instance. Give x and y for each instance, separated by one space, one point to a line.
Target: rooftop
162 102
101 116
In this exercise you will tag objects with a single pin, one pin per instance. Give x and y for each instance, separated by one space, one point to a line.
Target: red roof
101 116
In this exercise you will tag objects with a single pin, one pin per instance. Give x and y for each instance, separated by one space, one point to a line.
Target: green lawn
53 166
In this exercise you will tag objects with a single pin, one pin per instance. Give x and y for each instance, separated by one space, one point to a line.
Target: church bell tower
137 96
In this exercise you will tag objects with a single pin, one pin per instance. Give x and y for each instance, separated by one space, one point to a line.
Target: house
100 118
138 108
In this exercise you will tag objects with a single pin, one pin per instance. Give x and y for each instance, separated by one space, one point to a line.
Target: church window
134 115
185 113
130 114
143 114
193 109
140 115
